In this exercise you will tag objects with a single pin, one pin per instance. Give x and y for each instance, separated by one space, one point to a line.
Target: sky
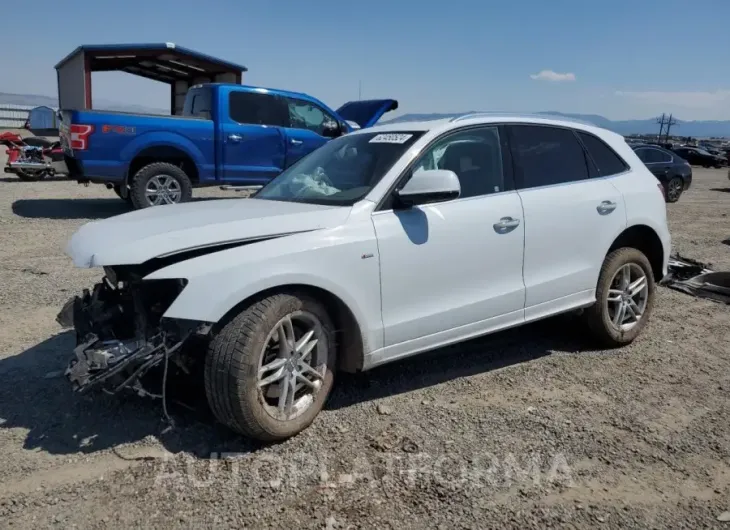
620 59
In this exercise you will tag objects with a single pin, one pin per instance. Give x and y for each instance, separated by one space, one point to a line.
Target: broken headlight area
120 333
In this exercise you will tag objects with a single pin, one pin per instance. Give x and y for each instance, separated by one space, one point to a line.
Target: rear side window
258 109
546 155
198 102
649 155
605 158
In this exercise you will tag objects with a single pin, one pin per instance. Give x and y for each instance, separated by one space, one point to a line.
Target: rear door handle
296 142
506 224
235 137
606 207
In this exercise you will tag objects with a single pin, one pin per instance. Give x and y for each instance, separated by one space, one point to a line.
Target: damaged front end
121 334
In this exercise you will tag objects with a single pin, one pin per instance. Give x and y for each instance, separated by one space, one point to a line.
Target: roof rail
544 116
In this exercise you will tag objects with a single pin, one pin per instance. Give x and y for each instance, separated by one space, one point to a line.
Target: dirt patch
528 428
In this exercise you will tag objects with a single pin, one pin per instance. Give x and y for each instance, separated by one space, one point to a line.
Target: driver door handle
235 137
606 207
506 224
296 142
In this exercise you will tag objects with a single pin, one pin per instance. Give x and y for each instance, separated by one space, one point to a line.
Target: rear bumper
84 171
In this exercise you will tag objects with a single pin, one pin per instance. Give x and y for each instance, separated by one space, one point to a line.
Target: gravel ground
527 428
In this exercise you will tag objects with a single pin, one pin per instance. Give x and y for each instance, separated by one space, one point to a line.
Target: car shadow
724 190
34 394
77 208
59 178
480 355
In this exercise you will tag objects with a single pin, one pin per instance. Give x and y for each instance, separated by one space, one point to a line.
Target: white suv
383 243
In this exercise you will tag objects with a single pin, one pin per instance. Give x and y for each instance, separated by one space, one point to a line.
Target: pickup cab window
253 108
305 115
198 103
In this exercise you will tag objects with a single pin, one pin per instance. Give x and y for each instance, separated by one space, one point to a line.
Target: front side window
253 108
305 115
342 171
607 161
545 155
475 155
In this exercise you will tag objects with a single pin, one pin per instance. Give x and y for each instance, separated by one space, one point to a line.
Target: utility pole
359 90
660 121
671 121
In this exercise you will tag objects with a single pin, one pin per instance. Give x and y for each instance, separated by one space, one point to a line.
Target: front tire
624 298
270 369
160 183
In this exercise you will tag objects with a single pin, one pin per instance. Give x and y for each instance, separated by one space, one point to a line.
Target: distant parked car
700 157
673 172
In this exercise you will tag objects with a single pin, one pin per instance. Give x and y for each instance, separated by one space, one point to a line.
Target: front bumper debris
96 361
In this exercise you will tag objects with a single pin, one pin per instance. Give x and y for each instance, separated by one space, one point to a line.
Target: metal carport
179 67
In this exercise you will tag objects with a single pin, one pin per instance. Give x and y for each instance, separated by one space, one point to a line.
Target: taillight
662 190
80 136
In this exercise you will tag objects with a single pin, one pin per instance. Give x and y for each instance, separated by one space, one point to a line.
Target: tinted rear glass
198 103
606 159
258 109
546 155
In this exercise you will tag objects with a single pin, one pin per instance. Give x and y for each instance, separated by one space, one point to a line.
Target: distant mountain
101 104
696 129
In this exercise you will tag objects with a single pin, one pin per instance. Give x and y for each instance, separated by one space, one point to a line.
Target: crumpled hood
138 236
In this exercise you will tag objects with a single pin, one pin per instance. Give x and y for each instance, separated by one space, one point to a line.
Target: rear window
605 158
198 103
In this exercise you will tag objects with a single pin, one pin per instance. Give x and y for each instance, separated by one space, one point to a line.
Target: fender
330 260
161 139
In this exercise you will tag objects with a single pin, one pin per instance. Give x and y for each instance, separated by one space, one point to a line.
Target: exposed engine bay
120 332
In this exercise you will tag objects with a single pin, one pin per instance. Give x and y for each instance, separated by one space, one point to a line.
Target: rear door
657 161
253 149
305 128
572 215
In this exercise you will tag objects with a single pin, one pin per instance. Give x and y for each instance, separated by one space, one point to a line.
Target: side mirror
429 186
331 129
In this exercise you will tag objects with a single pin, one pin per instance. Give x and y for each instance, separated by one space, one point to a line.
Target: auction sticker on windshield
391 138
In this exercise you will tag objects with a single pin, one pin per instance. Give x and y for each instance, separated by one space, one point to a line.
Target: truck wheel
270 369
624 298
118 191
160 183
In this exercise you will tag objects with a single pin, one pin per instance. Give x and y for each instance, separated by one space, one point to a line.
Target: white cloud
549 75
690 99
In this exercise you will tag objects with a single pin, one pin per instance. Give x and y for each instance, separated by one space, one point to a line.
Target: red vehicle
32 158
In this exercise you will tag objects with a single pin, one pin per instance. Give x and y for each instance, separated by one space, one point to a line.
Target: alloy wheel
627 296
163 189
292 366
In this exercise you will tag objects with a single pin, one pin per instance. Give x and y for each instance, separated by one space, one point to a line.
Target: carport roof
163 61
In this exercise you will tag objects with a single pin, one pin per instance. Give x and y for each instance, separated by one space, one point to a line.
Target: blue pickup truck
228 134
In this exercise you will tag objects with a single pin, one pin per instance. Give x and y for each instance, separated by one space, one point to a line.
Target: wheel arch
348 333
164 153
645 239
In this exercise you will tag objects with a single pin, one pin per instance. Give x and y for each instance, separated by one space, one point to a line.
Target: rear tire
674 189
172 184
246 353
602 316
127 199
33 176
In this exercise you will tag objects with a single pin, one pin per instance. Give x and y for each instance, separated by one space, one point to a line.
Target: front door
452 270
305 130
253 142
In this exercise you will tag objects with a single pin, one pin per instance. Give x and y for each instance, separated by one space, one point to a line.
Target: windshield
342 171
703 152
